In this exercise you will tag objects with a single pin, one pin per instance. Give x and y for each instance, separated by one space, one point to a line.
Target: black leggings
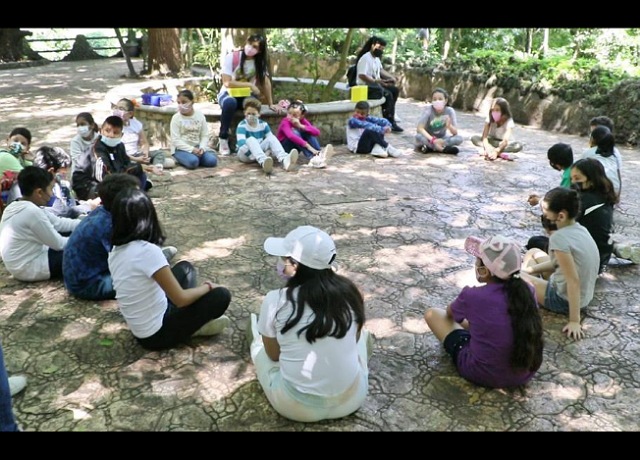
390 94
179 323
368 139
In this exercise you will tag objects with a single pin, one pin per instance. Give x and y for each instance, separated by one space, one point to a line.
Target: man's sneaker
148 186
169 252
379 151
251 331
223 148
17 383
397 118
213 327
327 152
626 251
267 165
317 162
290 160
450 149
396 129
507 156
393 152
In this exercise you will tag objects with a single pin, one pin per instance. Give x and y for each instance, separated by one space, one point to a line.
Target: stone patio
399 225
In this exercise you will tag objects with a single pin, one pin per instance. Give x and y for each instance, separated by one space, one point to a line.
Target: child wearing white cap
309 346
493 332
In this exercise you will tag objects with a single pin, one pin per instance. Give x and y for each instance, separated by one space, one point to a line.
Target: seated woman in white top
602 148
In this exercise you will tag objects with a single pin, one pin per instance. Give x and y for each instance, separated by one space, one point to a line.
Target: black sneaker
425 149
450 149
396 129
148 186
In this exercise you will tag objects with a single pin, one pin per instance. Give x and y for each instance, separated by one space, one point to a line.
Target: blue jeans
179 324
228 105
101 289
313 140
7 421
192 161
555 303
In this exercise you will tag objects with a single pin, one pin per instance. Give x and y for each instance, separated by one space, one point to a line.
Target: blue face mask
280 267
15 148
111 141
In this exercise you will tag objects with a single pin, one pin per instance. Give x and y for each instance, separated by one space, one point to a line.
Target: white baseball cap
306 244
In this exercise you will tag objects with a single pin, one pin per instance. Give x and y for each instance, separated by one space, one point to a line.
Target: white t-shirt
26 234
249 69
131 136
327 367
499 131
141 300
611 164
368 65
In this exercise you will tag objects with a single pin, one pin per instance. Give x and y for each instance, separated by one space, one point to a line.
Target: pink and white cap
501 255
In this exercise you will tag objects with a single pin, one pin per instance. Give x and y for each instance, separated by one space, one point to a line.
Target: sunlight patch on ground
77 329
90 390
217 249
382 327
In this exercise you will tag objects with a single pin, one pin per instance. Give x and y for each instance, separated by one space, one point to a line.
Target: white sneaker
267 165
317 162
223 148
213 327
379 151
251 330
169 252
626 251
393 152
327 152
290 160
17 383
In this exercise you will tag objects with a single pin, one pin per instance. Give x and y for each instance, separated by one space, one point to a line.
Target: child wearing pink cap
493 332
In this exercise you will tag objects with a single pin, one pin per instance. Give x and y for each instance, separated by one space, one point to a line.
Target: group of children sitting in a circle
116 251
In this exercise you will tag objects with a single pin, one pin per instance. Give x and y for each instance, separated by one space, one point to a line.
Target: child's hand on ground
573 330
439 144
533 199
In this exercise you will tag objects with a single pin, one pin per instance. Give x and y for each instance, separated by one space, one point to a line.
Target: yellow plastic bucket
240 92
359 93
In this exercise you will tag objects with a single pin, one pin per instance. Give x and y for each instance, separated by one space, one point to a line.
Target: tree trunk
13 47
528 46
446 42
342 67
164 51
125 53
545 42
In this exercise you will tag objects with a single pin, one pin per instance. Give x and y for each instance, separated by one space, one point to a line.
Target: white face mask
185 108
111 141
252 119
438 105
83 130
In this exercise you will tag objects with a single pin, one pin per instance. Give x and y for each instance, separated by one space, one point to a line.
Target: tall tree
164 51
13 46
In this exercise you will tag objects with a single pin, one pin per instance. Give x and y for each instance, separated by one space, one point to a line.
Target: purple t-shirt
485 361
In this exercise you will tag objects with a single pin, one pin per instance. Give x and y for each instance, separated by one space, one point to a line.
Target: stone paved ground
399 225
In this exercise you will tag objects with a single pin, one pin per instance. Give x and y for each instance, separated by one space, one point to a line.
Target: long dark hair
135 218
563 199
261 59
334 299
594 171
367 46
526 324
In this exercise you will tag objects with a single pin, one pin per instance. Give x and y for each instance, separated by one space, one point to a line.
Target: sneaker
379 151
251 331
397 118
169 252
267 165
450 149
507 156
169 163
148 186
370 342
626 251
223 147
317 162
213 327
17 383
396 129
393 152
290 160
327 152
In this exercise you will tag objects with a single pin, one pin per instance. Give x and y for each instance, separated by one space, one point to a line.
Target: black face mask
377 52
579 186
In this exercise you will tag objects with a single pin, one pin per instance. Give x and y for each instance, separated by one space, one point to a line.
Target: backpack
352 74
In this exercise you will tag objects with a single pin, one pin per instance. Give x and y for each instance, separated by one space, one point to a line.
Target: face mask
280 266
185 108
250 50
579 186
119 113
496 115
15 148
438 105
360 116
111 141
252 119
377 53
83 130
